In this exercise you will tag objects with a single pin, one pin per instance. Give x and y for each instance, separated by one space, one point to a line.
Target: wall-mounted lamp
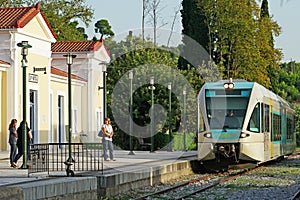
40 69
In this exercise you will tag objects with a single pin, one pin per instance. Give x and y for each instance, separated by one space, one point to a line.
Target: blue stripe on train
229 135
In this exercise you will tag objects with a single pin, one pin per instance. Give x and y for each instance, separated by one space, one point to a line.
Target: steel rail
224 180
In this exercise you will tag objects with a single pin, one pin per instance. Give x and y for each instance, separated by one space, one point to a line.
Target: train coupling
227 150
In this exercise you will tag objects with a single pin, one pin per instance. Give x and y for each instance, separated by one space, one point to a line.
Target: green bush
178 141
161 141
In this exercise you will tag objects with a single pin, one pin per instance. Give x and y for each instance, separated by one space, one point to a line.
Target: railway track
296 195
231 176
177 186
201 184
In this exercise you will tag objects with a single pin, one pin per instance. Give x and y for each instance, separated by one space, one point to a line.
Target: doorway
33 115
61 122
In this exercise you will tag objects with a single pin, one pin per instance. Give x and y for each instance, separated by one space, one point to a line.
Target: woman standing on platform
20 141
13 136
108 133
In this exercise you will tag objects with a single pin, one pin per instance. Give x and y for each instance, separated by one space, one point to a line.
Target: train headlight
244 135
228 85
208 135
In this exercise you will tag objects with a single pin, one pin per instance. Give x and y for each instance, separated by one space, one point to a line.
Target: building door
50 138
61 122
33 115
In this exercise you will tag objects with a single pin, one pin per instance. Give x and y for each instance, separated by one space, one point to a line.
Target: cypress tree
194 27
264 9
264 13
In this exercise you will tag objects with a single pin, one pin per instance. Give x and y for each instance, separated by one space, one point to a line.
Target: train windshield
226 112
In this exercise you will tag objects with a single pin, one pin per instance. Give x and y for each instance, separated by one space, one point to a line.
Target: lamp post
152 88
170 115
24 52
69 60
130 76
104 68
184 119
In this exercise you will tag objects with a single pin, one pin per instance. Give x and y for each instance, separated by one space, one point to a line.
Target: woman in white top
108 133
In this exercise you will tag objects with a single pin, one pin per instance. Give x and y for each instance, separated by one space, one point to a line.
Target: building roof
82 46
4 63
65 74
18 17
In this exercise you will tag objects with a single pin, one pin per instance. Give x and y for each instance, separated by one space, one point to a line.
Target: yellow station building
47 79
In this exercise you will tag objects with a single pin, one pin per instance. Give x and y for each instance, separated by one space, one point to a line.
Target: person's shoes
14 165
113 159
107 159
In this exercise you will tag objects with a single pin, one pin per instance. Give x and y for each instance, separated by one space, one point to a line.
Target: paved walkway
141 159
9 175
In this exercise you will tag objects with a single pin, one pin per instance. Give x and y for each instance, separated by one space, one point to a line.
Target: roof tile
18 17
76 46
4 63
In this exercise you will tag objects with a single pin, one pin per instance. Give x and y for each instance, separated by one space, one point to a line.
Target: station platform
144 168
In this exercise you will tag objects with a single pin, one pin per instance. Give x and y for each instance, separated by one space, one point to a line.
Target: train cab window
226 112
254 123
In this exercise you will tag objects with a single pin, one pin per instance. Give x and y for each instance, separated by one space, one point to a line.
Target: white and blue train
242 121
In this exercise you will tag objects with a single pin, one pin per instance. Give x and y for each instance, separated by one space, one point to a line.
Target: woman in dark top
20 140
13 136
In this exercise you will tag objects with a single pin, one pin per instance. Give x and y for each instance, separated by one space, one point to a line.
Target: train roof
243 84
238 84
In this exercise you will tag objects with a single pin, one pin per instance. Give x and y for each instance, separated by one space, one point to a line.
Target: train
243 122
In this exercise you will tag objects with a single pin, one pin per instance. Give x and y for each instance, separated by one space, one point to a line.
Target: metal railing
52 157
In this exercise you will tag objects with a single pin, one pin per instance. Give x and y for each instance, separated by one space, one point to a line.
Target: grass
259 181
279 171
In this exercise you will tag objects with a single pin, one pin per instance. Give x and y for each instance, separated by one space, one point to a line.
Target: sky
126 15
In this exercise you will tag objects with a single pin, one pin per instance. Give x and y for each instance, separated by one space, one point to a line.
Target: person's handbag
100 133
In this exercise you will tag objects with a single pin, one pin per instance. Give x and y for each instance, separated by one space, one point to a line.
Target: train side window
276 129
266 118
254 122
290 127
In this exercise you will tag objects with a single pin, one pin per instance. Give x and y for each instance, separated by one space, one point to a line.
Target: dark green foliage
237 36
194 28
134 53
264 9
178 141
103 27
285 83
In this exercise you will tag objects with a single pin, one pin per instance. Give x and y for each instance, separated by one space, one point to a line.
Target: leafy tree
237 36
11 3
103 27
270 55
63 16
288 87
287 84
138 54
